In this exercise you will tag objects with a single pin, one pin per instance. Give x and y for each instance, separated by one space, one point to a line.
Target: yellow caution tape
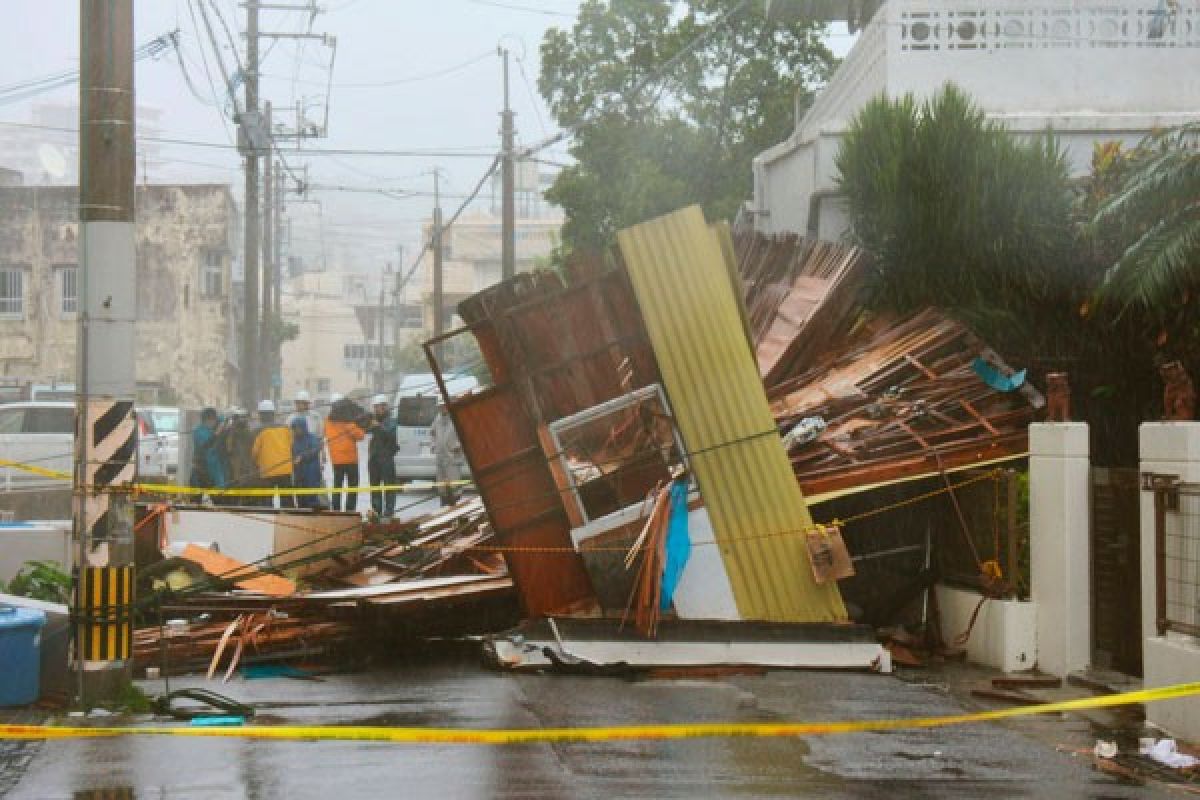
479 736
170 488
42 471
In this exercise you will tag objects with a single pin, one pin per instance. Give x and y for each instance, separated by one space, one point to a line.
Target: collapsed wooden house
742 361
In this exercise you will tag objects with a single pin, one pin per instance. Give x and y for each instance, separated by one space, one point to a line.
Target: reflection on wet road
978 761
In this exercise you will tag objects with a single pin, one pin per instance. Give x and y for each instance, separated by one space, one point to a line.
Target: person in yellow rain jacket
272 452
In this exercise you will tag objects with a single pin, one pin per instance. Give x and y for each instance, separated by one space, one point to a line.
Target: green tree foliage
1094 277
690 133
1150 217
956 211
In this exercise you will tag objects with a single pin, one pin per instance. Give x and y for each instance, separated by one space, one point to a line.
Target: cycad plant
1153 220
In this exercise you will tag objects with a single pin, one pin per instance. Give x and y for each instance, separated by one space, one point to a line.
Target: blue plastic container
20 654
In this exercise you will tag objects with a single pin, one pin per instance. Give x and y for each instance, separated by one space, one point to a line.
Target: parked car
153 460
37 433
167 421
416 406
43 433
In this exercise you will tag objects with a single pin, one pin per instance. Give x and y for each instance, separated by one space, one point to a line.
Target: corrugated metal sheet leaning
680 278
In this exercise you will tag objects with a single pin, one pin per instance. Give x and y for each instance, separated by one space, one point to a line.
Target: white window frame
12 306
68 305
212 274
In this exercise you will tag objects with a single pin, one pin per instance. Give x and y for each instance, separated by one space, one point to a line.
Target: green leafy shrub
40 580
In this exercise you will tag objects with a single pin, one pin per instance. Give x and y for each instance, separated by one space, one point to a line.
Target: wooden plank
241 575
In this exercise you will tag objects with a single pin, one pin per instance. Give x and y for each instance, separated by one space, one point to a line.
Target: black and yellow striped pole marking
111 430
104 585
104 610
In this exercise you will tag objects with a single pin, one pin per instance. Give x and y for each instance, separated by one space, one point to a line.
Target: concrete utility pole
382 377
267 323
396 302
439 322
106 436
508 246
250 134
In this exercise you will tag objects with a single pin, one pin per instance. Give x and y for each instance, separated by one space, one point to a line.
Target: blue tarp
679 545
995 379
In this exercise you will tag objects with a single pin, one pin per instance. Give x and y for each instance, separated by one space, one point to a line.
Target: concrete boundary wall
1004 635
1168 448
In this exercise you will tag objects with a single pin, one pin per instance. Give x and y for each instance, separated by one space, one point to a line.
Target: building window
212 274
364 356
323 385
410 315
12 293
68 289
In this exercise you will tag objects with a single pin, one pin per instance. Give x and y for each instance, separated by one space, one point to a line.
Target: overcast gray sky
437 60
409 75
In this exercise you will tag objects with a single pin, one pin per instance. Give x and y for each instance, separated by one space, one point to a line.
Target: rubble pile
215 609
864 400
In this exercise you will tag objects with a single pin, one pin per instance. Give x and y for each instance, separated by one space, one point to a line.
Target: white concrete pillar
1167 448
1060 544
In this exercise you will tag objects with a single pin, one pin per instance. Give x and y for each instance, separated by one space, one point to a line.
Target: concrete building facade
187 236
337 347
1090 70
471 257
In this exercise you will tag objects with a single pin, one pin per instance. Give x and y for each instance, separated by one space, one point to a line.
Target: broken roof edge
850 491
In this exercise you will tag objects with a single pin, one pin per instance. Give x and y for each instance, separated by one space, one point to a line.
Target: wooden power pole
508 245
268 322
250 139
439 303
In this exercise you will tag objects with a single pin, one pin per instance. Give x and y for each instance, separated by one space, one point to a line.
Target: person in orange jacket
342 435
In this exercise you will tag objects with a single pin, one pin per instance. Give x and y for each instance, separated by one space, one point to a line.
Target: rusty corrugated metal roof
682 285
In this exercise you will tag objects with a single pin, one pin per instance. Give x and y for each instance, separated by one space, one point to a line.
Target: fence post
1166 449
1060 544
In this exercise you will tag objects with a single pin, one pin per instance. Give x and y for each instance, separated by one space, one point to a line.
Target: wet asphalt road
450 689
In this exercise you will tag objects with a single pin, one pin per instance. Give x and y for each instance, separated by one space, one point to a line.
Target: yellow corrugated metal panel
678 273
729 257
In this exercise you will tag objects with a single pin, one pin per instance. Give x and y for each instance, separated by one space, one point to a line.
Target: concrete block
1169 441
1005 632
1169 660
1059 439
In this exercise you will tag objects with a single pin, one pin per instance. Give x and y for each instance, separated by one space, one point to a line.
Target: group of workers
231 453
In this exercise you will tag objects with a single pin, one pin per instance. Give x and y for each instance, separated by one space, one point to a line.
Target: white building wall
1086 69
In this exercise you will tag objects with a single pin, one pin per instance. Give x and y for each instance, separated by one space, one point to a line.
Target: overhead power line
640 86
527 9
429 242
22 90
473 152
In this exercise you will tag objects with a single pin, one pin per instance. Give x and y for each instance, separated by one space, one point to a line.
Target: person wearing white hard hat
381 455
272 452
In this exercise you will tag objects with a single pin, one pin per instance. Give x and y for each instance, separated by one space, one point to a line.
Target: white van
416 406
